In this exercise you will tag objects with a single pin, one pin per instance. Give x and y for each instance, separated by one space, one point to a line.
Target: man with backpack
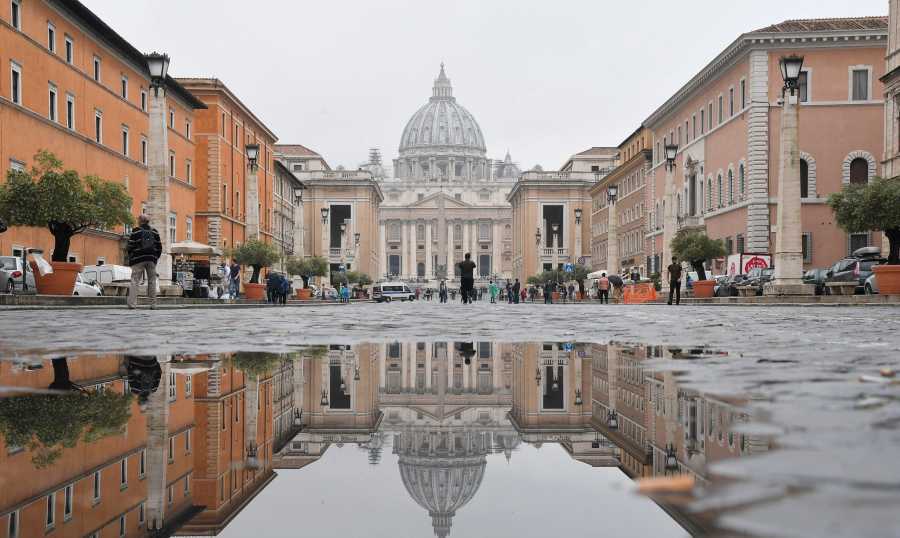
144 249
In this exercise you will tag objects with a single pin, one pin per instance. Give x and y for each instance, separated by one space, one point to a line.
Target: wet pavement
417 420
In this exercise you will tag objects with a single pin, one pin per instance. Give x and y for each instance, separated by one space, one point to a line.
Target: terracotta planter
888 279
304 294
60 282
554 296
704 288
255 292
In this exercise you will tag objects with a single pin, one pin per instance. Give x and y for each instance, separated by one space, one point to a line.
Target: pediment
432 202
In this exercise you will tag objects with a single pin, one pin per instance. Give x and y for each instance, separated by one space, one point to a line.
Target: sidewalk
57 302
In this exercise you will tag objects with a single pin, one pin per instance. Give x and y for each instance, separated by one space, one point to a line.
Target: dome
442 122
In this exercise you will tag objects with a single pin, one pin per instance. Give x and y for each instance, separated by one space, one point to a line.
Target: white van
106 274
392 291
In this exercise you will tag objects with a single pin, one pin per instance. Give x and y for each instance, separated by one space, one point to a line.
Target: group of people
278 287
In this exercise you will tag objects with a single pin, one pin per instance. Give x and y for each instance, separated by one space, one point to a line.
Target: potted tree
696 248
311 267
874 206
66 204
580 275
360 280
257 255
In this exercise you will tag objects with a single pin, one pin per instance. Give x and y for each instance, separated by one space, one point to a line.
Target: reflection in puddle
131 445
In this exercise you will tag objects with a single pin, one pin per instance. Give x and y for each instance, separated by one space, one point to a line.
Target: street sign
569 268
568 347
342 268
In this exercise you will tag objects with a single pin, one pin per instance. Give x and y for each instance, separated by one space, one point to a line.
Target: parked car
817 278
727 286
871 286
758 277
86 289
856 268
11 274
392 291
106 273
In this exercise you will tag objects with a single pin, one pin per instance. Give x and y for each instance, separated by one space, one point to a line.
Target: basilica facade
446 197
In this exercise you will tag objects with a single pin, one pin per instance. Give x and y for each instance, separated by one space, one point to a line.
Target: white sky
543 79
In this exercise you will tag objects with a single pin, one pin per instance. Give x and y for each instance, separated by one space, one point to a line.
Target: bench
746 291
841 288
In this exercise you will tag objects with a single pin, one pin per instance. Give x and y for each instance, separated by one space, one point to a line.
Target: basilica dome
443 122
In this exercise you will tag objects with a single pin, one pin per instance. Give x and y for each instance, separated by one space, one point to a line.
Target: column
429 256
382 252
451 169
157 446
612 240
466 375
578 245
428 352
467 237
451 258
669 224
382 368
413 245
158 180
497 244
326 253
497 365
404 367
404 249
432 170
251 230
411 354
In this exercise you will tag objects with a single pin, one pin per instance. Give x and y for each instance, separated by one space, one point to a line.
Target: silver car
871 285
11 274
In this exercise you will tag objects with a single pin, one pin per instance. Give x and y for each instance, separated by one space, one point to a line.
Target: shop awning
193 247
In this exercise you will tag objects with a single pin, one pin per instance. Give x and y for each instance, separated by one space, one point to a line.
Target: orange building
224 129
73 86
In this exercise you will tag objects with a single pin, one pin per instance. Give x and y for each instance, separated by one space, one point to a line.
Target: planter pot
304 294
704 288
255 292
60 282
554 296
888 279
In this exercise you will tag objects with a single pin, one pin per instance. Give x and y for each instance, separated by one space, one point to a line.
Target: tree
256 364
62 201
580 275
307 268
696 248
548 276
873 206
47 423
358 278
257 255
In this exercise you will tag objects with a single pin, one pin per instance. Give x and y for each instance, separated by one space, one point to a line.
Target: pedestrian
674 270
272 286
418 293
466 278
635 275
442 292
234 273
345 293
548 293
562 294
572 292
603 289
517 289
144 249
493 290
285 289
532 292
225 287
509 292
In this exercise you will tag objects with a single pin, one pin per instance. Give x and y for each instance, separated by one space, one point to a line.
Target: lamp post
612 233
577 254
539 251
555 243
343 266
326 280
251 151
157 161
298 222
789 227
669 225
356 238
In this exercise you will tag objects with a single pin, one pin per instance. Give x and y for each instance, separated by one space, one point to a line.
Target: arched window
742 183
730 187
859 171
804 178
709 194
720 198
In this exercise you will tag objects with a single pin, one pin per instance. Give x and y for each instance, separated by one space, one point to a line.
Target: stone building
891 81
448 198
76 87
725 121
288 220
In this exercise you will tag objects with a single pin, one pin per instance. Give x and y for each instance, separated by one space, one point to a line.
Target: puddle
441 438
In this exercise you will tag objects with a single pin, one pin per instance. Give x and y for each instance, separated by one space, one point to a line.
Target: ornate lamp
537 236
324 215
252 155
578 213
671 459
612 420
612 192
158 64
790 71
671 151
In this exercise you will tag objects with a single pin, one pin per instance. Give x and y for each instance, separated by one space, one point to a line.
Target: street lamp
671 151
324 400
537 236
612 192
578 215
298 196
252 155
671 458
612 420
790 72
578 400
538 376
158 64
324 215
356 237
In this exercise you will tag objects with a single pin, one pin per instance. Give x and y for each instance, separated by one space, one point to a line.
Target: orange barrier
639 293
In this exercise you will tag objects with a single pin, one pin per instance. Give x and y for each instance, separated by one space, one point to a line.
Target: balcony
688 222
561 252
347 175
557 176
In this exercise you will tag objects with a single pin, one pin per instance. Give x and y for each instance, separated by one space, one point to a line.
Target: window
15 15
122 525
141 514
730 187
188 236
859 171
12 527
702 121
142 463
187 129
173 228
172 164
803 86
51 112
858 241
807 247
123 473
171 119
709 115
70 50
171 453
143 150
187 441
739 242
743 94
859 81
188 171
729 245
70 111
694 126
721 109
125 140
98 126
143 100
96 486
742 184
298 168
15 89
124 87
51 513
719 185
730 102
97 69
69 502
679 135
51 37
804 178
170 494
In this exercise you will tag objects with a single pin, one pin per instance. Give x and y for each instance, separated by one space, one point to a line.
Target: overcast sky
544 79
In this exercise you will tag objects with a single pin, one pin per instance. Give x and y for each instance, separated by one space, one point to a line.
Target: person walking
572 292
548 293
225 287
603 289
442 292
517 289
494 290
144 249
467 278
674 270
234 273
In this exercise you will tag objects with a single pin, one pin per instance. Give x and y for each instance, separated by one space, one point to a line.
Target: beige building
618 227
891 81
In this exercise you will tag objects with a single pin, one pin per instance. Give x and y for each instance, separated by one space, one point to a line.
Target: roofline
581 156
285 170
109 37
632 135
199 84
741 46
